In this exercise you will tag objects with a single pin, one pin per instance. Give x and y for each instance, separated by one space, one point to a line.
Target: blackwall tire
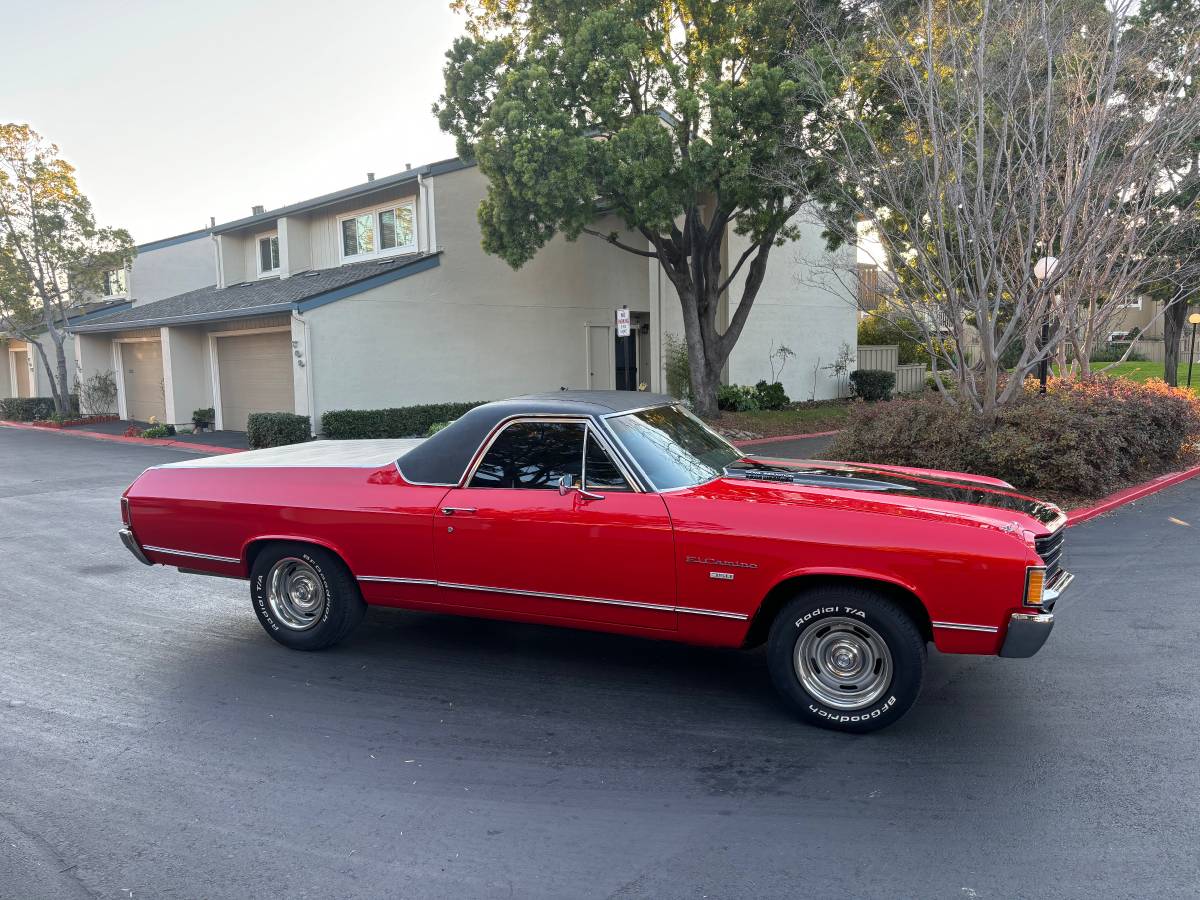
846 658
304 596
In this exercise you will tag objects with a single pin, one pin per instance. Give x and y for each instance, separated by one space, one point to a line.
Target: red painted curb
121 439
1128 495
778 439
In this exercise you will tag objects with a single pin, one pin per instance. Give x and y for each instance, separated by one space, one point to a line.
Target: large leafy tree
52 252
664 113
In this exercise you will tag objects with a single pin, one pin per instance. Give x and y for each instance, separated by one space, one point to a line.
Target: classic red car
622 512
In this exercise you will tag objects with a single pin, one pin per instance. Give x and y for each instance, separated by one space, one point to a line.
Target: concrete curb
779 439
1128 495
207 449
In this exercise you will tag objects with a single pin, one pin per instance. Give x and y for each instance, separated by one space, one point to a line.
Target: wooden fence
910 379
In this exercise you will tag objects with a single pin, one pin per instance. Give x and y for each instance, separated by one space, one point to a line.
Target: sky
174 112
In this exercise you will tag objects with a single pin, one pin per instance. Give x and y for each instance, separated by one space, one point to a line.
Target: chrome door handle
451 510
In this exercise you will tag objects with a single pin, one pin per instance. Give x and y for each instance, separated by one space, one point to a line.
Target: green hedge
873 384
277 429
26 409
401 422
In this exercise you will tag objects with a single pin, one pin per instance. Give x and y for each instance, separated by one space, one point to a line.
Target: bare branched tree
978 138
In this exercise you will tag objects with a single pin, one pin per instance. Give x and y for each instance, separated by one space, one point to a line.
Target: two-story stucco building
381 295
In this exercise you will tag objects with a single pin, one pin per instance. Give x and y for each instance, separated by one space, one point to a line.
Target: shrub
133 431
676 367
737 398
401 422
1084 437
872 384
204 416
435 428
275 429
947 379
1115 353
159 431
26 409
771 396
98 394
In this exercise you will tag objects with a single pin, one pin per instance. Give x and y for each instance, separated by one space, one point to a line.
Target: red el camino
622 512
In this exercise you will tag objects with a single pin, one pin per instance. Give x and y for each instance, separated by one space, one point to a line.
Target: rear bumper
131 545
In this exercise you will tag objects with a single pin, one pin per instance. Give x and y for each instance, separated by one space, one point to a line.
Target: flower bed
77 420
1083 439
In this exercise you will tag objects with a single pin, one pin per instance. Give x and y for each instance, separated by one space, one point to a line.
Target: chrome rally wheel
296 594
847 657
305 597
843 663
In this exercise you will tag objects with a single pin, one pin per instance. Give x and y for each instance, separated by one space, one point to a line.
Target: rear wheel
304 596
846 658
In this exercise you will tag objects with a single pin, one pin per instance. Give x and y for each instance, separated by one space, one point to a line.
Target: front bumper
131 545
1028 631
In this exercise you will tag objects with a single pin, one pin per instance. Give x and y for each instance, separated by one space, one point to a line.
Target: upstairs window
268 255
115 283
381 232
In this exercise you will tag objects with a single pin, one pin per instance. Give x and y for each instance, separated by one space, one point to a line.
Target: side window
600 471
533 455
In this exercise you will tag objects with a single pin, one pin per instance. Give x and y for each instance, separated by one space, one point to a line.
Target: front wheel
846 658
304 596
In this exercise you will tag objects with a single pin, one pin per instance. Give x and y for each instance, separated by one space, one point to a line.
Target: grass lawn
802 418
1142 371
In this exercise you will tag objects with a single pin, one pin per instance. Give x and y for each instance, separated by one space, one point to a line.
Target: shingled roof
264 297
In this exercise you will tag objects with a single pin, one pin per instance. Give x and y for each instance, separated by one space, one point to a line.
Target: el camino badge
721 576
728 563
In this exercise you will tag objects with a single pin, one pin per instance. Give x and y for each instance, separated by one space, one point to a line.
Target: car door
518 538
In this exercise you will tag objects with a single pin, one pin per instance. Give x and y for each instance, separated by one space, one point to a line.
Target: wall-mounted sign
623 322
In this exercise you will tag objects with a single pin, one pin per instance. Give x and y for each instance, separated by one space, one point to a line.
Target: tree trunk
54 389
1174 320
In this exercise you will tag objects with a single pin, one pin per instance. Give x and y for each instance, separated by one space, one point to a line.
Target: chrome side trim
386 580
191 555
741 617
961 626
545 595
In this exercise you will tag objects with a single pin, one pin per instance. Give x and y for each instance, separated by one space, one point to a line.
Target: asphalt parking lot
154 742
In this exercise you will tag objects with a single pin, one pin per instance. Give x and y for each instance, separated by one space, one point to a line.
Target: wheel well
779 595
257 546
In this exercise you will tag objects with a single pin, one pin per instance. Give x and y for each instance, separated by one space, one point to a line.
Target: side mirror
566 484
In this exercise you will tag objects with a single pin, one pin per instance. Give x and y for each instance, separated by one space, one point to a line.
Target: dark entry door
627 354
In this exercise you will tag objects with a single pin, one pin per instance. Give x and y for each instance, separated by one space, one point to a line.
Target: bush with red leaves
1084 437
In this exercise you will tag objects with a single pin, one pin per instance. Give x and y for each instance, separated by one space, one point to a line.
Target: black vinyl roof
444 457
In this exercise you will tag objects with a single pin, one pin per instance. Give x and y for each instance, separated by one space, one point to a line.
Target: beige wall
472 328
176 269
800 304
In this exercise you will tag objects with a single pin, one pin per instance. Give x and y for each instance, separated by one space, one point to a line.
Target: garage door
256 376
20 360
141 362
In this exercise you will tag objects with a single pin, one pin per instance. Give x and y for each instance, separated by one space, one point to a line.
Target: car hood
993 500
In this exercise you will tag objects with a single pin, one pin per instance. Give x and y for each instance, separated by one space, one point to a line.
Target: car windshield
673 447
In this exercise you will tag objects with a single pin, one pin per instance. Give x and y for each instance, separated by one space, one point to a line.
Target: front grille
1050 549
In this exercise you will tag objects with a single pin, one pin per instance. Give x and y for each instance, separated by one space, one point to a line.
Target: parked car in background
620 511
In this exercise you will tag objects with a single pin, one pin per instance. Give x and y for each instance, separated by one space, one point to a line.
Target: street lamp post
1043 269
1194 318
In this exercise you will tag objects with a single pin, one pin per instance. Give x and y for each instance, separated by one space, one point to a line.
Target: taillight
125 517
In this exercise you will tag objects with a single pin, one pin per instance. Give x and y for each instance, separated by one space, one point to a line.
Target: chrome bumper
1028 631
131 545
